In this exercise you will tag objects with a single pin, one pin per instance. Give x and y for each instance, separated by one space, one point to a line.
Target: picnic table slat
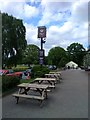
33 85
45 79
29 96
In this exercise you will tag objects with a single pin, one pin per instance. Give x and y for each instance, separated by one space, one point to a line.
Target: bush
9 82
39 71
20 69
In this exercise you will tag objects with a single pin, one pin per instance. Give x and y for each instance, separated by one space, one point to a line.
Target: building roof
72 64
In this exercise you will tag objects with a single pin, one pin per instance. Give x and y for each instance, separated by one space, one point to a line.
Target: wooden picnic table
56 74
24 88
50 81
50 75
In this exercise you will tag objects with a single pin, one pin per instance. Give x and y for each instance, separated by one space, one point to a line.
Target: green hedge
9 82
39 71
20 69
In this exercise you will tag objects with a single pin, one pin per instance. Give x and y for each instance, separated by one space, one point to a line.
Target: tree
13 40
46 60
63 61
56 55
88 47
31 55
76 53
86 60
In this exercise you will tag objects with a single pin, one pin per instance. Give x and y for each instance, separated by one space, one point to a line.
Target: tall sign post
42 36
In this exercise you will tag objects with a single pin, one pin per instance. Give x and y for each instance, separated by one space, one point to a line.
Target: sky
66 21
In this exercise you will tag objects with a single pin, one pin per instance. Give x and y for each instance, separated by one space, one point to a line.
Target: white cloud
67 34
74 30
30 11
67 27
31 34
79 12
53 11
70 28
11 7
32 1
54 5
20 10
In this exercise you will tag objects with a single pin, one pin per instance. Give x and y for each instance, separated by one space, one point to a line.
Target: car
18 74
10 72
3 72
52 67
87 68
21 75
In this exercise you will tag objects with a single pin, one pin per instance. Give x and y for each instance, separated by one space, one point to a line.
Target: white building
71 64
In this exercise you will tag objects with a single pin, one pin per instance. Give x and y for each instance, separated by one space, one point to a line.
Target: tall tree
46 60
31 54
86 61
88 47
76 53
56 55
13 39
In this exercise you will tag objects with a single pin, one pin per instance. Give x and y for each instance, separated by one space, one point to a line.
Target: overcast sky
66 22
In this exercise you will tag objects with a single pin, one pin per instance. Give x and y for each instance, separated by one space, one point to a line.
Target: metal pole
41 46
41 43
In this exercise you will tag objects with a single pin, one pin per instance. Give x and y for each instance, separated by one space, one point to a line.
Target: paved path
68 100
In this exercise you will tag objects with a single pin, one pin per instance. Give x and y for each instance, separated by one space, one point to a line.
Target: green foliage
13 40
63 61
20 69
26 80
86 61
30 54
39 71
46 60
76 53
55 56
9 82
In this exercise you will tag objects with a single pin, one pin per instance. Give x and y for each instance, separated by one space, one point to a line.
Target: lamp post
42 36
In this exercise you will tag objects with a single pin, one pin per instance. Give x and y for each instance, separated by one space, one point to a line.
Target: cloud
67 27
66 22
11 7
31 34
20 10
65 35
75 29
80 12
53 6
53 11
30 11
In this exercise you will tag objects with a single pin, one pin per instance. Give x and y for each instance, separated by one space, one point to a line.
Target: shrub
20 69
39 71
9 82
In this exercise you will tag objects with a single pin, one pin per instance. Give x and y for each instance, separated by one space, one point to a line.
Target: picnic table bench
24 89
28 96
